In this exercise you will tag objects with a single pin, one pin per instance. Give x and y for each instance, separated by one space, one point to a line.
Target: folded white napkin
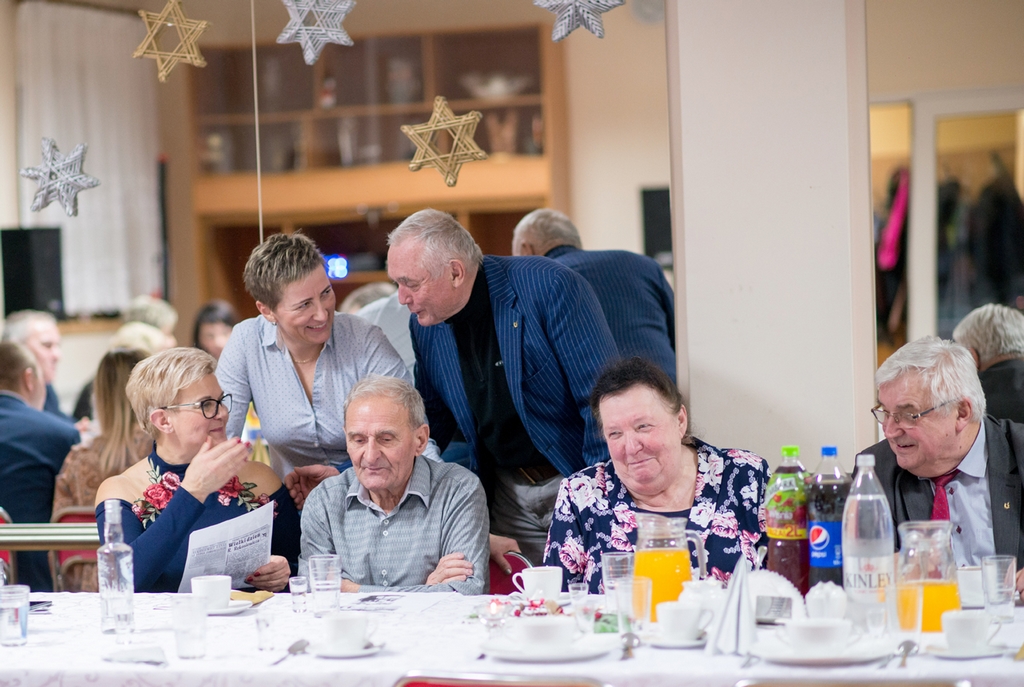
734 631
152 655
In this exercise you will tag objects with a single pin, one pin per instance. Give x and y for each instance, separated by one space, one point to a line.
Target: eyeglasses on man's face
210 407
903 419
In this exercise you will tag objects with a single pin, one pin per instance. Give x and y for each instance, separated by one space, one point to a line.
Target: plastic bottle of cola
868 549
826 498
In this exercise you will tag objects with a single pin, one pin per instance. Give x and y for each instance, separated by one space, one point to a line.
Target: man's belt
539 473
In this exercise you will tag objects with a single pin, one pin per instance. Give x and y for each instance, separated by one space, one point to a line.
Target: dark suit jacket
554 342
636 300
911 498
33 445
1003 384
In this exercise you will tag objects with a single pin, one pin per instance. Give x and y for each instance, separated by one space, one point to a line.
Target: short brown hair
623 375
277 262
156 381
15 358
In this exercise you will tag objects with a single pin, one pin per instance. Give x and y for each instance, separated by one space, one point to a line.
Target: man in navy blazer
631 288
509 360
33 445
38 330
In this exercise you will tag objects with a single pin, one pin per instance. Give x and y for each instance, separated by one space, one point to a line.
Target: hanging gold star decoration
461 129
188 31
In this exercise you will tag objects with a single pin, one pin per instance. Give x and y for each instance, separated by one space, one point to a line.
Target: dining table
422 632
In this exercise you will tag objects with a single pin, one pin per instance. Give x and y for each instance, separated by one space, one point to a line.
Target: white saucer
666 643
988 651
581 650
323 651
234 607
563 598
775 651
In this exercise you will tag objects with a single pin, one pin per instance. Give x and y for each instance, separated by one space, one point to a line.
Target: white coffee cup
541 582
346 630
683 620
815 636
968 631
972 592
542 631
215 589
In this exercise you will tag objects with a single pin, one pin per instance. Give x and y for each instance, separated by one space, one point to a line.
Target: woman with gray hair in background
297 361
994 334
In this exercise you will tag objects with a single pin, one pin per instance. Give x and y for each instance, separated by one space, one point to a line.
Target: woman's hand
273 576
214 466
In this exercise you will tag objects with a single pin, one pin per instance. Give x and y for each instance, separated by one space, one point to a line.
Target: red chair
7 563
61 562
501 582
418 679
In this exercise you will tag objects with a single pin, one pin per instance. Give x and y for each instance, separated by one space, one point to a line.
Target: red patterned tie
940 506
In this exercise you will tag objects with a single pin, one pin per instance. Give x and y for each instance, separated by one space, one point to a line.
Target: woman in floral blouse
195 477
655 467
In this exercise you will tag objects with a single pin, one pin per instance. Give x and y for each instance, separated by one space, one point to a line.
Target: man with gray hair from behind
942 458
994 334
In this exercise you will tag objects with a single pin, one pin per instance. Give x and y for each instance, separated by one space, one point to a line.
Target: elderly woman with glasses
194 478
656 466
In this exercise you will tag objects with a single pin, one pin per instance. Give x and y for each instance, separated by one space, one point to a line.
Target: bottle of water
116 575
868 550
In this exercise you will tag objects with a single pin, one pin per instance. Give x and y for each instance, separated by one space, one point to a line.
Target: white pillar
771 221
8 125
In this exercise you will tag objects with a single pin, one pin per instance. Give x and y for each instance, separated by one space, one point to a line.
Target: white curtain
78 83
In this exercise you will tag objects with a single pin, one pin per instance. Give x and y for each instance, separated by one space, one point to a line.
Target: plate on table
324 651
659 642
234 607
987 651
581 650
775 651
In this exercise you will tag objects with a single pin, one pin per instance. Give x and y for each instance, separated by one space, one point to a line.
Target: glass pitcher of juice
662 554
926 583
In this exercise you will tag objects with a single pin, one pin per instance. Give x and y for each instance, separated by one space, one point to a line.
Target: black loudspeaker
657 225
32 274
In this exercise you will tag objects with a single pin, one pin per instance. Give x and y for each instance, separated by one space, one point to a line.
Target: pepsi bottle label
826 544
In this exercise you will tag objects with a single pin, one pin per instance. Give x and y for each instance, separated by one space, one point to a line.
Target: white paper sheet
235 547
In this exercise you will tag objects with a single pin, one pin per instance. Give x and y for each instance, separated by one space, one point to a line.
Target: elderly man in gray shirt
398 521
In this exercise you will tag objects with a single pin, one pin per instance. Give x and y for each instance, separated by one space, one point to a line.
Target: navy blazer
33 445
554 343
635 297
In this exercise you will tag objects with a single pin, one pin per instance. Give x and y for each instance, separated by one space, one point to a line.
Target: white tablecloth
66 648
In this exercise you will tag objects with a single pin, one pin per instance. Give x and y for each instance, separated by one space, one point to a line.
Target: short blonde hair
156 381
277 262
140 336
152 311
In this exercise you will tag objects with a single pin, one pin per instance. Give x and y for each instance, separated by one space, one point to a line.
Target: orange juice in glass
938 596
668 569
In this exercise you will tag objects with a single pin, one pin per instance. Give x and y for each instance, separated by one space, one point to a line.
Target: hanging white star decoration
572 14
314 24
60 177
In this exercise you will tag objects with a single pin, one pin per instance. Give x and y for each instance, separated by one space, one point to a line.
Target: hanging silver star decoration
314 24
572 14
60 177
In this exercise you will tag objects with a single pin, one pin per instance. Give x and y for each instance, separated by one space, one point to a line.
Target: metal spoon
298 647
907 647
629 640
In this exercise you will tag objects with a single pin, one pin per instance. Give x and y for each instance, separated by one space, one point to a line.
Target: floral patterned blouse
594 513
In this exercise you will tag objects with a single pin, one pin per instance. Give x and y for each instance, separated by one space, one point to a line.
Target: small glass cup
14 615
188 618
584 606
299 587
265 630
999 582
493 614
325 577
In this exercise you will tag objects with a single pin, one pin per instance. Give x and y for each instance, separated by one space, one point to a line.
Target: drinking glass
188 618
633 603
910 607
493 614
299 587
584 606
14 614
265 630
614 566
325 576
999 581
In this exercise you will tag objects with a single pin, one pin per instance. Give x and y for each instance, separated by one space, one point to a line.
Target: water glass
265 630
325 576
298 586
633 603
614 566
584 606
999 582
14 615
188 618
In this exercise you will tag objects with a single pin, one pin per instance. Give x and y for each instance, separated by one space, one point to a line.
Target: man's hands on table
301 481
451 568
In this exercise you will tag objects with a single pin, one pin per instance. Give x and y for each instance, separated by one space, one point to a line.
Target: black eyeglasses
210 406
903 419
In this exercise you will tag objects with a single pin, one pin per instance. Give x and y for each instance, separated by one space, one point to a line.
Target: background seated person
994 334
942 458
399 522
33 445
655 467
194 477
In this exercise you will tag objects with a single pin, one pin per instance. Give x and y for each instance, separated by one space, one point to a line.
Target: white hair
393 389
946 369
993 331
549 228
18 326
442 237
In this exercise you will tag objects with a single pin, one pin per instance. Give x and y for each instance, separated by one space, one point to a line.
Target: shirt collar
419 485
4 392
269 334
975 463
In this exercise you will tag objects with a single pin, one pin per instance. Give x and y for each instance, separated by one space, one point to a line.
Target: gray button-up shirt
442 511
256 367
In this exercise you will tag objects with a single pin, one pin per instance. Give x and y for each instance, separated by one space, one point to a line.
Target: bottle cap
866 460
828 451
112 511
790 451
